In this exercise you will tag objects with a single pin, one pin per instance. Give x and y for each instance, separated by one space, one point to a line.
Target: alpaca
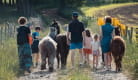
62 50
53 32
47 47
118 50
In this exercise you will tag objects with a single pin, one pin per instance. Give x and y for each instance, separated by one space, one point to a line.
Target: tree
24 7
1 2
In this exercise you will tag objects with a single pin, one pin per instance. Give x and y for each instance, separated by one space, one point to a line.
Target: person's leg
37 58
72 57
87 56
34 59
81 56
93 61
109 59
106 60
27 57
103 57
96 61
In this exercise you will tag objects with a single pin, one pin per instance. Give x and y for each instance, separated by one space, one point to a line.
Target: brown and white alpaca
118 50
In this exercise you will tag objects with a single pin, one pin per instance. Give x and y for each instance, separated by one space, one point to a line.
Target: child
95 50
24 48
35 50
87 47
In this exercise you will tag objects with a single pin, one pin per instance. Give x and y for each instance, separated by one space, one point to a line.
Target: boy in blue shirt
35 50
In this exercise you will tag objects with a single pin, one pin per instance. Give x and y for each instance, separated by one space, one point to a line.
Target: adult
24 48
54 30
106 37
56 26
74 37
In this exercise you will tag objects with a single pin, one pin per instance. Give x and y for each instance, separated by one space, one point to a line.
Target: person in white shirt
95 50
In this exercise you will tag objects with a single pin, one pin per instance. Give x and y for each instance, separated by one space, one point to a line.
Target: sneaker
26 73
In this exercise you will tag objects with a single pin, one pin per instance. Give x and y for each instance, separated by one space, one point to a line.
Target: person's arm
101 33
68 35
83 35
113 33
68 39
37 36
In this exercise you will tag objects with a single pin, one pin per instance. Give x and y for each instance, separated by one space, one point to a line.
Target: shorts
76 45
95 52
35 46
87 51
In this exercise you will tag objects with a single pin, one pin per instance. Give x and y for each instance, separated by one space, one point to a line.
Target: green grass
8 60
92 11
130 61
75 74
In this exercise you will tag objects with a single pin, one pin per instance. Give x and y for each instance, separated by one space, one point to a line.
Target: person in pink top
87 47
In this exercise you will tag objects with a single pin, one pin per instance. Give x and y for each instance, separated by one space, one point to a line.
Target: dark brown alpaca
118 50
62 50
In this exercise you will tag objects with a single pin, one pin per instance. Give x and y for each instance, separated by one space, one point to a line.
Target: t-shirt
95 45
22 35
76 28
35 34
87 42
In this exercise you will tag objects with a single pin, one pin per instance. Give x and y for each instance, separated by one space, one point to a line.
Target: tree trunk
13 2
5 3
24 7
10 2
1 2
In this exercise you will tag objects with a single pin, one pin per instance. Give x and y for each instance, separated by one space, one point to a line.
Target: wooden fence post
136 36
0 35
131 35
126 31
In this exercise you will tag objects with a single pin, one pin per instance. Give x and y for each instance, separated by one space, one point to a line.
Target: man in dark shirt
24 49
55 25
74 37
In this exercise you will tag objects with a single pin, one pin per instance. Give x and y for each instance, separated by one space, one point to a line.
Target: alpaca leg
43 64
63 60
58 59
51 62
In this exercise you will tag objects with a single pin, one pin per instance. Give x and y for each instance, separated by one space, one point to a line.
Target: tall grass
8 60
130 61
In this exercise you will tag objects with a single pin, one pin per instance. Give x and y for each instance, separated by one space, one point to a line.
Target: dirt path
38 74
101 74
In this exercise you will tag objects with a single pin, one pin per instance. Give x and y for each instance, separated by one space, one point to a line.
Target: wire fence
7 31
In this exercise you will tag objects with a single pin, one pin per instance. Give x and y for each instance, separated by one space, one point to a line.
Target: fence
7 31
132 34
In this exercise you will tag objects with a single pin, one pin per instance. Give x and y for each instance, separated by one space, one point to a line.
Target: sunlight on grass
91 11
8 61
74 74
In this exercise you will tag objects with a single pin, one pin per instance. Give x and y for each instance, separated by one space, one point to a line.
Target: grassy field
92 11
8 60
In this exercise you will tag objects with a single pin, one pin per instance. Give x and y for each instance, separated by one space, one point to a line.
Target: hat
75 14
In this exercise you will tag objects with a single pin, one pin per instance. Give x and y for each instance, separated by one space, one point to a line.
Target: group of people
77 38
87 43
